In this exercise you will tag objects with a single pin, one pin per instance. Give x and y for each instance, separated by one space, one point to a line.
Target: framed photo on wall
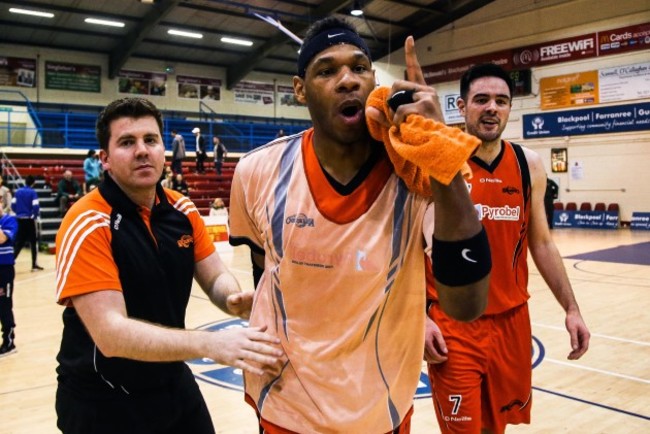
559 160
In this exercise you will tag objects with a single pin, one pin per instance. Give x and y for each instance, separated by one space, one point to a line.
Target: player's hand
579 334
250 349
435 348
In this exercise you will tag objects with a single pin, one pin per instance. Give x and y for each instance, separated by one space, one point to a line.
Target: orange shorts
486 381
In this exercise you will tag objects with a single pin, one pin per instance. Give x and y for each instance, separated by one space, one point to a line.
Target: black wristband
458 263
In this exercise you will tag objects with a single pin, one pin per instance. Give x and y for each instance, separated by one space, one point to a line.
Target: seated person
218 208
68 190
180 185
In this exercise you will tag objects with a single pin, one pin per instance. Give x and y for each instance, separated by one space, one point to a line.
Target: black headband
325 40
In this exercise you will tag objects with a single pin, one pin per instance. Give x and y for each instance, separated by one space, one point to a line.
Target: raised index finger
413 69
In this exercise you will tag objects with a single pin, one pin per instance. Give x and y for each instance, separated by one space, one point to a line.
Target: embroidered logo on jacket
116 223
185 241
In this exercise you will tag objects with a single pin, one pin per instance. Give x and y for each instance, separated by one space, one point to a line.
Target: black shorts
179 408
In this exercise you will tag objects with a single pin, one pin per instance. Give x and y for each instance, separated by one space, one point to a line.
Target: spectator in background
180 185
218 208
220 152
5 195
551 193
201 155
92 170
168 180
178 152
280 133
67 191
8 230
27 209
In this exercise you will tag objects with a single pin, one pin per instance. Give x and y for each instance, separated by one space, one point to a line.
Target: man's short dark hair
91 153
132 107
29 180
480 71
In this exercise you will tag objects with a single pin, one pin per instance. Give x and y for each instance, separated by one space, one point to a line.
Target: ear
460 103
299 89
103 158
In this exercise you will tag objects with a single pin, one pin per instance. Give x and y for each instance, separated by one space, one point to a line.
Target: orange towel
422 147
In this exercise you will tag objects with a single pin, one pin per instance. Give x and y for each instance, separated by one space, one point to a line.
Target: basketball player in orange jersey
341 238
481 372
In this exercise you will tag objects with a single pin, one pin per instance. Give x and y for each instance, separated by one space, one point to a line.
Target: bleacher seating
585 206
204 188
600 206
571 206
558 206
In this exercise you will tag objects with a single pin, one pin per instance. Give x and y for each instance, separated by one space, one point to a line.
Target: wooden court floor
607 391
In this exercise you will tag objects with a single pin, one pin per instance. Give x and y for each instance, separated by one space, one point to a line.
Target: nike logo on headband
334 35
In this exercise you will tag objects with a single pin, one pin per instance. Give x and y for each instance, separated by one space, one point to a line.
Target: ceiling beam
123 50
421 25
236 73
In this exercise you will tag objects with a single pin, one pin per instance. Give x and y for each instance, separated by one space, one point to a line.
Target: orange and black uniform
486 381
108 242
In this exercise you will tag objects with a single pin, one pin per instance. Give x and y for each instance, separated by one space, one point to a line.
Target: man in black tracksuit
126 256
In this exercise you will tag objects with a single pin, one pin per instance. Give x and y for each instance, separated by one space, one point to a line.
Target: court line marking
584 401
600 371
629 341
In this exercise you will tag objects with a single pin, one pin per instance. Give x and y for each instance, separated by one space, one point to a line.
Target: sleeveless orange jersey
497 191
343 288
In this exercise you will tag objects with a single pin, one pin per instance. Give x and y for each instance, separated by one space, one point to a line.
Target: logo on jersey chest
506 212
300 220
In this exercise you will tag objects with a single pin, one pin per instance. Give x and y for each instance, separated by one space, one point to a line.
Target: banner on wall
288 97
206 89
624 39
569 90
597 120
626 82
586 219
250 92
640 221
70 76
603 43
16 71
142 83
449 103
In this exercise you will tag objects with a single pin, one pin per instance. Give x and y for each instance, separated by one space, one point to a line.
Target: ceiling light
236 41
356 10
184 33
104 22
31 12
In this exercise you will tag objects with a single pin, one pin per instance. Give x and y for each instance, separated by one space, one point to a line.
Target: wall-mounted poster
559 160
16 71
69 76
569 90
287 96
251 92
142 83
206 89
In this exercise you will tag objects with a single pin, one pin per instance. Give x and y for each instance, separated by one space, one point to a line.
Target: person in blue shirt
8 230
27 209
92 172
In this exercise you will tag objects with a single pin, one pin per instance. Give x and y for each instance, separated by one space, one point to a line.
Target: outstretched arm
117 335
549 262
